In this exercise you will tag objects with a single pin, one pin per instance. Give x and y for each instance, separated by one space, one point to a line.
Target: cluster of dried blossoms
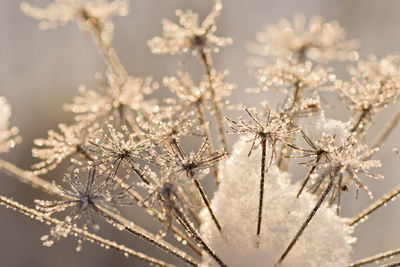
125 146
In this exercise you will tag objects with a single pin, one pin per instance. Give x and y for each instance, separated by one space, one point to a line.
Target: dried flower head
188 35
119 96
58 146
318 40
88 14
274 129
374 84
170 123
189 93
287 74
193 163
117 148
85 199
8 136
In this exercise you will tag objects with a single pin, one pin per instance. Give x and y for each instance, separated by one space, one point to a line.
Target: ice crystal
318 40
118 97
235 204
189 35
87 13
8 136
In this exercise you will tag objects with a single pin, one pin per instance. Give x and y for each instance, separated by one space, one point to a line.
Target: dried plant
130 145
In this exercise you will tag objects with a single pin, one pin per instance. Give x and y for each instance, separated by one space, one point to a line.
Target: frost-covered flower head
287 73
194 163
89 14
189 35
189 93
170 123
118 96
318 40
58 146
8 136
85 199
374 84
117 148
272 130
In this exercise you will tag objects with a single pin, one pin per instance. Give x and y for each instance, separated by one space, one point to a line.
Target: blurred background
41 70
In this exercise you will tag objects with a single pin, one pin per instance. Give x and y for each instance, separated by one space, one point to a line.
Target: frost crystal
8 137
88 14
320 41
326 242
188 34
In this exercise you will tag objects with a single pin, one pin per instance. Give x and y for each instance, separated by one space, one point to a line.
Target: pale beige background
39 71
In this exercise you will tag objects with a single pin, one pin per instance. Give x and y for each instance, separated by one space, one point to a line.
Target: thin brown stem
4 201
359 125
386 131
206 60
109 54
206 133
376 205
307 178
262 178
207 203
310 216
123 224
193 232
286 150
375 258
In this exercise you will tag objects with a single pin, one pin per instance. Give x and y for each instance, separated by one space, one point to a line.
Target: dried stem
375 258
286 150
193 232
262 178
310 216
386 131
207 203
376 205
106 50
206 133
4 201
28 177
206 60
359 125
123 224
308 175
